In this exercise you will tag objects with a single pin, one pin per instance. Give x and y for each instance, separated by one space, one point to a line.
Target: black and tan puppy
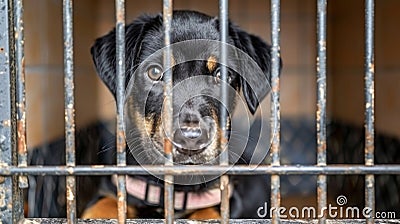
196 108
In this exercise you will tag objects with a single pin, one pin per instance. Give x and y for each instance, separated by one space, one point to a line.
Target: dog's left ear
103 50
254 87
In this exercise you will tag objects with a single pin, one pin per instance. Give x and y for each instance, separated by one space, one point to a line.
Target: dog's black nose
191 139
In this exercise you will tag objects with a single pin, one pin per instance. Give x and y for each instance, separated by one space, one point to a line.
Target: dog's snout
191 139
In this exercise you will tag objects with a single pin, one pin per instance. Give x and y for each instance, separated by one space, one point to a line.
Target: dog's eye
217 76
154 72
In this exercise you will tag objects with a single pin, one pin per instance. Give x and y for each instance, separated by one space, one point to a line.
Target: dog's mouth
195 142
188 162
190 152
191 142
181 160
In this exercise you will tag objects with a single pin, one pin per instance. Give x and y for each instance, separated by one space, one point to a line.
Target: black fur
144 37
187 25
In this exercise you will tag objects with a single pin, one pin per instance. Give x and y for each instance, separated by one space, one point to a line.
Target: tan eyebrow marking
212 63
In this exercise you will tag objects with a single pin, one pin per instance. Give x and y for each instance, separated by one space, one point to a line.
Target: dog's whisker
109 141
107 146
105 150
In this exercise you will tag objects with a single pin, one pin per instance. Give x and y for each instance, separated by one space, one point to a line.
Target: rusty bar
321 106
387 169
21 102
69 108
168 112
17 203
169 197
275 106
224 160
120 137
369 105
11 204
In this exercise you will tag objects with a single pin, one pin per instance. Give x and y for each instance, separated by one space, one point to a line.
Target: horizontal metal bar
238 221
387 169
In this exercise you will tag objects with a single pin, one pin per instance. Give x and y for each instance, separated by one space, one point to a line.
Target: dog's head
196 83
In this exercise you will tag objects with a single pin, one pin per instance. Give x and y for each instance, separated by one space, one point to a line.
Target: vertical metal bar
11 205
369 105
120 70
21 103
224 158
321 107
69 108
168 112
275 107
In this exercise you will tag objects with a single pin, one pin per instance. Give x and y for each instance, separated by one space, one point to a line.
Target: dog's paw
203 214
106 208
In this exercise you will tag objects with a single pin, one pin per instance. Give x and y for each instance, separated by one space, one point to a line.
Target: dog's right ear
255 86
103 51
